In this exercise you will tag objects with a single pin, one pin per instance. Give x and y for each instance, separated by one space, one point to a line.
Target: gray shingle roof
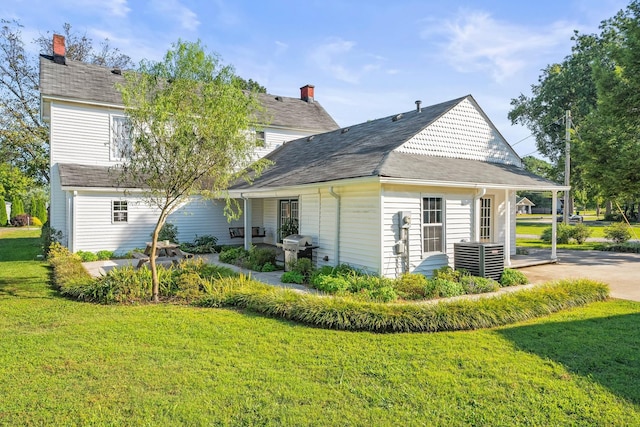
84 176
94 83
366 150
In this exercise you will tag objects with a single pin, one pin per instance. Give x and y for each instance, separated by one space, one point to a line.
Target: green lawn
529 226
69 363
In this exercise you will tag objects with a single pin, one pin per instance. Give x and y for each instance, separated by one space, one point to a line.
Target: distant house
395 194
86 120
524 205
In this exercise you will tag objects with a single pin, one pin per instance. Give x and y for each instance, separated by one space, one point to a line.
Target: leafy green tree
17 207
542 168
3 213
611 134
250 85
23 135
188 121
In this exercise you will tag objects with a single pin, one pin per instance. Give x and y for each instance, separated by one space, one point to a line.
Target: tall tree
188 122
23 136
611 134
250 85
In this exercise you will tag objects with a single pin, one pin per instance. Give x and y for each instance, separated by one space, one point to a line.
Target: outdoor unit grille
480 259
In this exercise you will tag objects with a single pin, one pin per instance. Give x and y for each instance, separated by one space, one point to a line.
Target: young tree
188 124
3 213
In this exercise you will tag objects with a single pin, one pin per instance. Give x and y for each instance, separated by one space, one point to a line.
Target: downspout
336 239
247 221
475 224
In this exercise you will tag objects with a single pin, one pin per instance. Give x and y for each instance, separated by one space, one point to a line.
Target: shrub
351 314
411 286
68 272
442 288
87 256
449 274
206 244
36 222
382 293
302 266
565 234
619 232
627 247
3 213
267 267
258 257
234 255
511 277
48 236
104 255
580 233
331 284
168 232
292 277
21 220
478 285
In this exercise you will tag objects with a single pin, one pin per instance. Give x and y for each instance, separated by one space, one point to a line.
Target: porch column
507 228
554 223
247 223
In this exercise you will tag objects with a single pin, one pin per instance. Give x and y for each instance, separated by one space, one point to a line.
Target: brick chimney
58 49
306 93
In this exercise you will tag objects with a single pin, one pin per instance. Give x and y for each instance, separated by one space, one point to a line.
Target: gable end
463 132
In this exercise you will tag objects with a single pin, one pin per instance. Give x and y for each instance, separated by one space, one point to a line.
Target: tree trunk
155 282
608 208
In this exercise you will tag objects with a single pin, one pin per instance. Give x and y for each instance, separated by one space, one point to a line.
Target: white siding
80 134
270 220
360 228
327 230
57 211
274 138
457 224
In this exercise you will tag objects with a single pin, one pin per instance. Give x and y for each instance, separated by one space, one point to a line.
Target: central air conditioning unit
480 259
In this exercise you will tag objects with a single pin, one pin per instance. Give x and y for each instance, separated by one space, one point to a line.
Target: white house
524 205
395 194
85 114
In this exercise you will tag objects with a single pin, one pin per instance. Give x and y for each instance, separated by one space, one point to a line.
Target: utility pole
567 165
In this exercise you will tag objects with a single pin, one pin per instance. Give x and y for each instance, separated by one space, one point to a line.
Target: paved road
620 271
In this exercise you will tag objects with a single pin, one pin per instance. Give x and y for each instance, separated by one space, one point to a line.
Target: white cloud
118 7
176 10
281 47
340 59
475 41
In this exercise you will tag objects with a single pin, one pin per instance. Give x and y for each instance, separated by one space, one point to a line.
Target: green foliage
353 314
206 244
449 274
17 207
104 255
3 213
267 267
259 257
627 247
87 256
619 232
567 232
580 233
302 266
168 232
443 288
234 255
68 272
411 286
512 277
49 236
288 228
292 277
478 285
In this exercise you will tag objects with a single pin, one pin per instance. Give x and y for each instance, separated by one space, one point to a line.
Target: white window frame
118 214
114 153
441 224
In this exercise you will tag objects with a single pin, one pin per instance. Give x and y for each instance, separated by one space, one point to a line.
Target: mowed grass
69 363
530 227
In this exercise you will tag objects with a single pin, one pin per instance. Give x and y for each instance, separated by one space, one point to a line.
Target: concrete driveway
621 271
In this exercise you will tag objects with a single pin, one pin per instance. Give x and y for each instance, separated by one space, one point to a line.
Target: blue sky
367 59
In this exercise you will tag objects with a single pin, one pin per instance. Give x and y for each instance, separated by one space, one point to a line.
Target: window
119 211
260 139
288 220
120 138
486 230
432 226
